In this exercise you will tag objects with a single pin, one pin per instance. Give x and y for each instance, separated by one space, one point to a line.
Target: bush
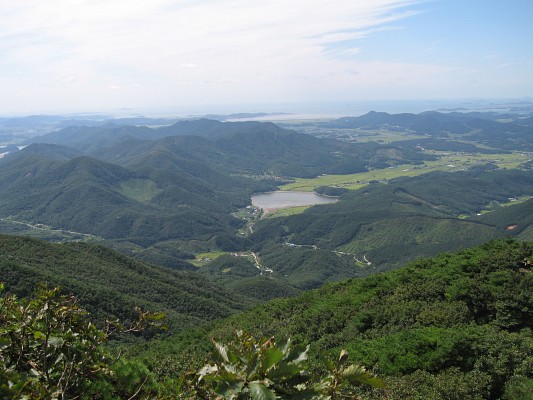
49 349
247 368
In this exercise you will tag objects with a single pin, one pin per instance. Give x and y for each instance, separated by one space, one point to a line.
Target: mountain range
162 194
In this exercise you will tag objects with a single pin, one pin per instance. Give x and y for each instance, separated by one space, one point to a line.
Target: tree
248 368
50 349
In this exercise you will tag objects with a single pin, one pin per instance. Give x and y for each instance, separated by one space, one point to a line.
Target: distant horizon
201 57
299 110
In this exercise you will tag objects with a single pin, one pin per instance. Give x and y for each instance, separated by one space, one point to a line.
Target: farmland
447 162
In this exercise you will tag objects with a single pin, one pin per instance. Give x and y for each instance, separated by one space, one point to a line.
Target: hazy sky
97 54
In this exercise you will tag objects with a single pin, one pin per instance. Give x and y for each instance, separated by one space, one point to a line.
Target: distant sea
336 109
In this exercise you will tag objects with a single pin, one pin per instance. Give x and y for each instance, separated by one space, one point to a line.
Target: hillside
240 147
164 203
496 131
109 284
388 224
162 198
515 220
165 195
150 192
454 327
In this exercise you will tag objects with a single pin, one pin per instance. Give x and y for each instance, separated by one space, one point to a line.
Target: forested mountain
143 187
242 147
502 132
457 326
454 327
110 285
388 224
87 195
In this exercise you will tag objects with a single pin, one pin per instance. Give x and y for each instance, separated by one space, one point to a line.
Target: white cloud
64 79
201 51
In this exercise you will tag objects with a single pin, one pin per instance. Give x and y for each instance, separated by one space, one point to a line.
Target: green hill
242 276
258 149
515 220
454 327
389 224
139 187
163 197
475 127
109 284
241 147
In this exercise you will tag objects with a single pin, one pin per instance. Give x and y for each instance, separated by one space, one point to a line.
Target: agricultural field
383 136
447 162
285 212
205 258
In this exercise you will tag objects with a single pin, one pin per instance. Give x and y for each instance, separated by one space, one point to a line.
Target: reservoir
281 199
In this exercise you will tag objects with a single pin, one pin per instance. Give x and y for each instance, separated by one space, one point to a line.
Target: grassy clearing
141 190
204 258
446 162
285 212
495 205
380 136
517 200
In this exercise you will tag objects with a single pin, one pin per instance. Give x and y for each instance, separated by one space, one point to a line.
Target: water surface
281 199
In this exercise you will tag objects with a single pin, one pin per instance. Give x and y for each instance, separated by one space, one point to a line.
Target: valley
447 162
181 195
266 200
171 219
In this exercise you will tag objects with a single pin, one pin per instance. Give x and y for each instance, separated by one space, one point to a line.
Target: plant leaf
357 374
298 355
342 358
38 335
55 341
284 371
207 370
228 389
258 391
222 351
286 347
271 357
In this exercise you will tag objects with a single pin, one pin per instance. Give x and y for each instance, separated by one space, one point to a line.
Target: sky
87 55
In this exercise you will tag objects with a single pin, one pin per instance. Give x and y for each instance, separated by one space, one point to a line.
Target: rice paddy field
446 162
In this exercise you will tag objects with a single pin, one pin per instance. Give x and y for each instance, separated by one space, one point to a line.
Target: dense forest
457 326
389 224
334 301
110 285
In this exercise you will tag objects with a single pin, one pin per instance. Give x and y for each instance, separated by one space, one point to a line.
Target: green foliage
518 388
50 350
405 219
242 276
48 347
247 368
457 326
109 285
450 384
